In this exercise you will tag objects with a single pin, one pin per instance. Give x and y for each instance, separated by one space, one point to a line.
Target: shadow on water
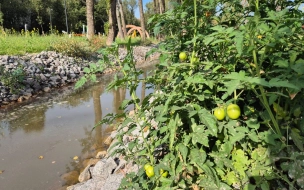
58 127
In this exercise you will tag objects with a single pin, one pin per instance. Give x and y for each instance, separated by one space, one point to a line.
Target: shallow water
40 139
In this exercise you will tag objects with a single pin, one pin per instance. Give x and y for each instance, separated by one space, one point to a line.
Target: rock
121 164
131 113
14 97
46 89
90 162
85 174
91 184
101 154
104 168
113 182
43 77
113 134
70 178
108 140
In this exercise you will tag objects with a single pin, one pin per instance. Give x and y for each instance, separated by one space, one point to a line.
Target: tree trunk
120 32
161 7
156 7
112 23
123 21
90 18
142 19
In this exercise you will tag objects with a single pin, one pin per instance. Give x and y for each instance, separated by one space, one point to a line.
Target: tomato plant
219 113
233 111
249 52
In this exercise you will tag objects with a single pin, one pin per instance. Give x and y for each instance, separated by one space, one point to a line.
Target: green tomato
233 111
194 59
150 171
163 173
219 113
182 56
147 166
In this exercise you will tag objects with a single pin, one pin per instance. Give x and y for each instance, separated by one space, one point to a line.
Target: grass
136 41
20 43
13 43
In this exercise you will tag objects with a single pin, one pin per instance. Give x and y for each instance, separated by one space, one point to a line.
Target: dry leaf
195 187
53 162
75 158
292 95
146 129
40 157
1 171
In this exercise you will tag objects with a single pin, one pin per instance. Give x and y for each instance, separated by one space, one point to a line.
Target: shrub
250 55
12 78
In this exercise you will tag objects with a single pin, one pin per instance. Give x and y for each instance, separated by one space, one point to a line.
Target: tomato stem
262 90
195 32
134 98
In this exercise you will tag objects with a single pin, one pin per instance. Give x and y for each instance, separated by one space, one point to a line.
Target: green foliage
12 78
15 43
72 47
247 55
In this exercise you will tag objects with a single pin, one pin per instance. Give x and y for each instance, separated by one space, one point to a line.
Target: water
39 140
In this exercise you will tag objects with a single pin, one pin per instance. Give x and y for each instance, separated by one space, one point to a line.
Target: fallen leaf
40 157
292 95
75 158
53 162
1 171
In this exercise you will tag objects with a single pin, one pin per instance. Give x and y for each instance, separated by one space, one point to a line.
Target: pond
42 141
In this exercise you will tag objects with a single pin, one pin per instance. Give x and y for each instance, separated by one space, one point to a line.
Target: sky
144 5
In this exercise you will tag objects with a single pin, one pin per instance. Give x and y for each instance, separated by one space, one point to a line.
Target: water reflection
58 127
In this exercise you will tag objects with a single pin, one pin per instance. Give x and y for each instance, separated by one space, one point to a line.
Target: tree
129 7
1 17
90 18
122 17
120 32
112 22
142 19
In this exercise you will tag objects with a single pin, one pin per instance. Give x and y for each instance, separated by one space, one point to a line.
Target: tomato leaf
208 119
183 150
297 138
198 157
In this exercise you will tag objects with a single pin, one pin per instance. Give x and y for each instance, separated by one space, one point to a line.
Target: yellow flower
260 36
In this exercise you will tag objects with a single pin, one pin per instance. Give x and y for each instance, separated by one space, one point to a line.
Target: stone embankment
108 171
49 70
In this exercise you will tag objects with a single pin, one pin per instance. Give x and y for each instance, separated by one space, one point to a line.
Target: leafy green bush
250 55
12 78
72 47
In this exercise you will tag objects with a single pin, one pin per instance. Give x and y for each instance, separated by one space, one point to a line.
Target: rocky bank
49 70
